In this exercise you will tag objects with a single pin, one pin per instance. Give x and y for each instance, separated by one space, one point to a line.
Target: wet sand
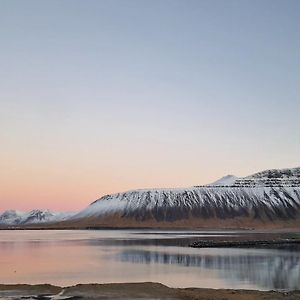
145 290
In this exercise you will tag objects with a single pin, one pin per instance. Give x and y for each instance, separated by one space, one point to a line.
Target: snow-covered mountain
11 217
266 196
14 217
227 180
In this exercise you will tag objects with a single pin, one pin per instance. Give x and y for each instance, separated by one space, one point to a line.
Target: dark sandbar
145 290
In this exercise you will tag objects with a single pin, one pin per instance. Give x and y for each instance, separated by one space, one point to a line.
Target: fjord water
103 256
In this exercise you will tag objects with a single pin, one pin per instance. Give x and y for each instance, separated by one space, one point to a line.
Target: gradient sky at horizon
104 96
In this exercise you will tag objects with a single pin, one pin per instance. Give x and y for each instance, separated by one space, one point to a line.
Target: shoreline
244 243
163 228
143 290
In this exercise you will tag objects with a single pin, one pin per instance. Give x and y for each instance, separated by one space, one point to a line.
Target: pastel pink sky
47 177
99 97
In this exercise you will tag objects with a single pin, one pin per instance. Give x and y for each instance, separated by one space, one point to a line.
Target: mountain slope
268 196
204 202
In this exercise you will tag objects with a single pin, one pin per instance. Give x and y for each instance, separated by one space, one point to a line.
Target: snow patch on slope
226 180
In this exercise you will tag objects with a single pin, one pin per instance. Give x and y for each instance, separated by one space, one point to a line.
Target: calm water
70 257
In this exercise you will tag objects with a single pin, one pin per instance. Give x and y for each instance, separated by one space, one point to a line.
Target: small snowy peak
11 217
36 216
227 180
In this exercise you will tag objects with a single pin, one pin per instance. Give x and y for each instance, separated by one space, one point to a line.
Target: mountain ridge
266 198
35 216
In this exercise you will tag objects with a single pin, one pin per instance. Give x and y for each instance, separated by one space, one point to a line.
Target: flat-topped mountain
270 196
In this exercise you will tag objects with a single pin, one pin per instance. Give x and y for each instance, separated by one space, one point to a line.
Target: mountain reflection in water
270 270
69 257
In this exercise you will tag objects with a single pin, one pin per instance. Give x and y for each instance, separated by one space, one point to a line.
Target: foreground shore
145 290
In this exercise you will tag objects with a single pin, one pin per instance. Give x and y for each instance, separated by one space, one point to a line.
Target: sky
99 97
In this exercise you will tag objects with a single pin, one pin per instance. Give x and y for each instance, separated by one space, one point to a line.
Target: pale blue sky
128 94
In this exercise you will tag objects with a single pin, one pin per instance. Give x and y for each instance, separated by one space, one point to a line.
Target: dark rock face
222 203
279 174
263 203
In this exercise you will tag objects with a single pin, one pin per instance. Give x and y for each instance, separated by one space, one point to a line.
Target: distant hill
37 216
